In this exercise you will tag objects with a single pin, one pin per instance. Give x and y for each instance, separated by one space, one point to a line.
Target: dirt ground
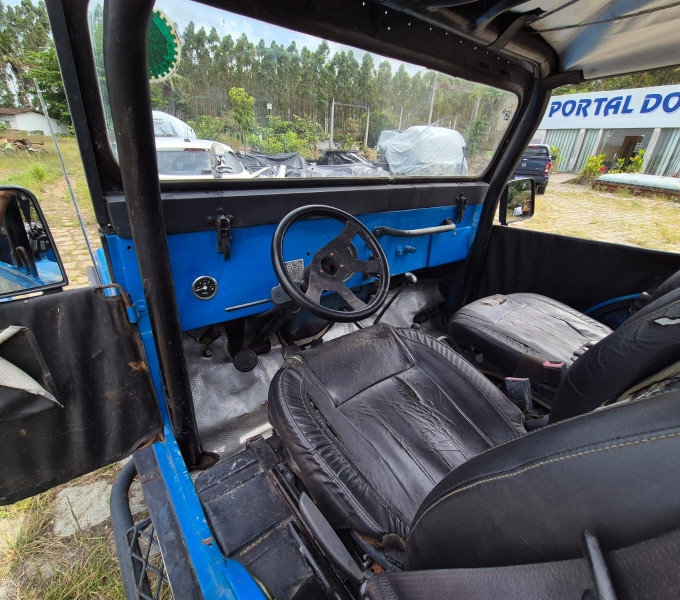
50 550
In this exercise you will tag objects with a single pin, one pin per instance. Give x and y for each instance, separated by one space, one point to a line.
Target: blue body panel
248 275
219 577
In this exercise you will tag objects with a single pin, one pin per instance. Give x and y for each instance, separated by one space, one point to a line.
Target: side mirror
517 201
28 257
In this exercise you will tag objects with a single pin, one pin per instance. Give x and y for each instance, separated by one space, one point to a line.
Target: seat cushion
374 419
512 331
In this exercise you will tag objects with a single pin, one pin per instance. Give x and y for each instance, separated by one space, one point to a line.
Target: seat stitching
329 470
535 466
503 416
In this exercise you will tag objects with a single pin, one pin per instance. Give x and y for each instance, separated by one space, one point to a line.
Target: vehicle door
75 390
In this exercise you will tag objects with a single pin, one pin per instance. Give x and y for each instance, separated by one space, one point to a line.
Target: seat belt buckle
518 389
553 372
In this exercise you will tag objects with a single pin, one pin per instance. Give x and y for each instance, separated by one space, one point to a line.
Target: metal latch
223 227
461 205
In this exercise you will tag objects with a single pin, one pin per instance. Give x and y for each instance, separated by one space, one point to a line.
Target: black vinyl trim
126 23
185 212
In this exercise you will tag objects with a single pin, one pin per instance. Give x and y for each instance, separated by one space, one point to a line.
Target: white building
616 123
29 120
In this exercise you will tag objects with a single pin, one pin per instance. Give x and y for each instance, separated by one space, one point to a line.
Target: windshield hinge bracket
222 225
461 205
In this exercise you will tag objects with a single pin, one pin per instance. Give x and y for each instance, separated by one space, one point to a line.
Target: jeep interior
353 377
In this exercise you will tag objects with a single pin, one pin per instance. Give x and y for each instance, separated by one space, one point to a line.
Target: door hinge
133 311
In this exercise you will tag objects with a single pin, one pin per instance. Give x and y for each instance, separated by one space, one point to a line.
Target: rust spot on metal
121 291
146 477
139 366
156 438
207 541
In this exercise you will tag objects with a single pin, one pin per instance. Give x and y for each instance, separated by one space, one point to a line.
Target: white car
197 159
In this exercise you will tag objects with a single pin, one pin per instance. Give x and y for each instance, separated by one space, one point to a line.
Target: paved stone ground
68 236
578 210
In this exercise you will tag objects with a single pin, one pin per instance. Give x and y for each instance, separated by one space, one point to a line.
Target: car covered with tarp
425 150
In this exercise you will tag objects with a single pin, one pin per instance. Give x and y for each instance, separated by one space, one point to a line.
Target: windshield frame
410 42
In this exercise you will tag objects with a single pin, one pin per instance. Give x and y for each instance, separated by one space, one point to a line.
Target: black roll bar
127 77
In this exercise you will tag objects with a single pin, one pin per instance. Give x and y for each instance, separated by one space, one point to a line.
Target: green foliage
212 128
594 167
23 28
45 70
379 121
619 168
478 134
636 162
302 135
274 143
634 165
27 53
242 110
557 153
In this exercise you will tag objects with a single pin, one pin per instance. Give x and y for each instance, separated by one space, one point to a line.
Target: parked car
354 387
179 159
536 162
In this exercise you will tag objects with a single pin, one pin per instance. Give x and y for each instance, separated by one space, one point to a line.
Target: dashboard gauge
204 288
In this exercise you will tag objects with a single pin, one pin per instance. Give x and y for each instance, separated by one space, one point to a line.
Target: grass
575 210
40 566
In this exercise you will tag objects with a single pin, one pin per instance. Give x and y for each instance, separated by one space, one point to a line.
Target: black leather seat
514 335
396 436
374 419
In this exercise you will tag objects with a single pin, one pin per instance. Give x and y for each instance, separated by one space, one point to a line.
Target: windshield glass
286 104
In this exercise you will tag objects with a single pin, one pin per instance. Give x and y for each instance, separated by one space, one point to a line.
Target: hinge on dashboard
223 227
461 205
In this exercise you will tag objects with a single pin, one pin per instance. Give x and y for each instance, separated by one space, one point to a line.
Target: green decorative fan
164 47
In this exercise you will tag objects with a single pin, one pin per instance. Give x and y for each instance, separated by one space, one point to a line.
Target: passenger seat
532 336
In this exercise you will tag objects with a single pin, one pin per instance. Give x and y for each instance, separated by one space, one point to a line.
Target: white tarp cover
671 184
426 150
166 125
13 377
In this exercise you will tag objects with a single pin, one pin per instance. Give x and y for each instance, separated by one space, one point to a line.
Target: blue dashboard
245 280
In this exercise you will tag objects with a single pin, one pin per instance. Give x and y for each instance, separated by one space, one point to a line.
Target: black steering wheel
332 266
